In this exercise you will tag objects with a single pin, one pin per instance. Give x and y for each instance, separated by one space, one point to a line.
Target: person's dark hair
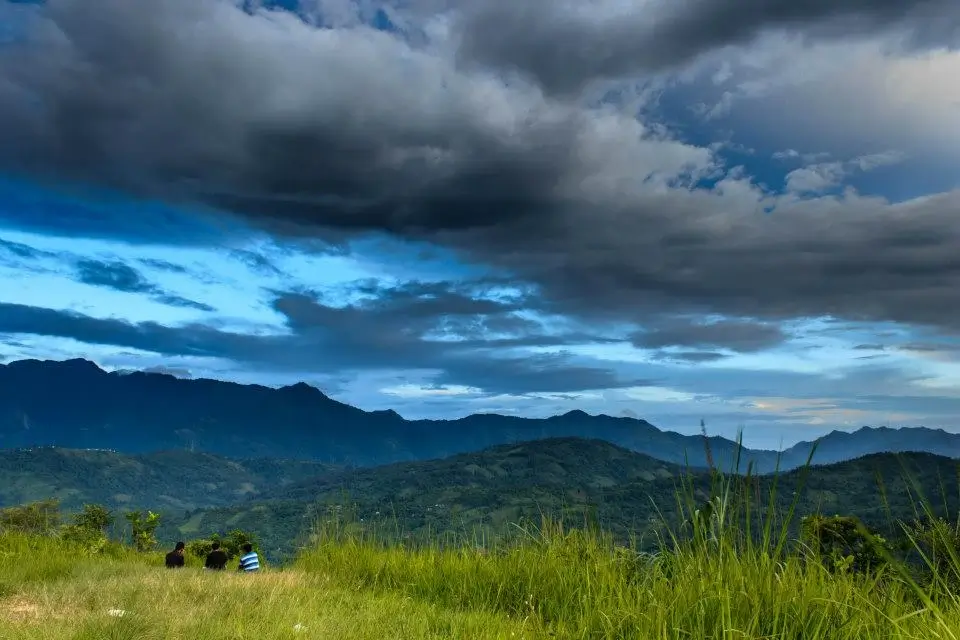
215 546
180 545
247 548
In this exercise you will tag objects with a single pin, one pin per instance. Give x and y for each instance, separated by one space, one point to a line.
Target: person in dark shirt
174 559
216 559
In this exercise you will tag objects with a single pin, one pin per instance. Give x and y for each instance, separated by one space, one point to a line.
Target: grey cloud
565 47
691 356
163 265
122 277
171 371
735 335
25 258
389 334
129 107
256 261
533 374
22 251
112 275
929 346
591 206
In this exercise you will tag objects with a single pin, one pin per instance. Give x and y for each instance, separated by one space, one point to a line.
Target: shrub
231 544
89 528
937 542
143 529
38 518
844 544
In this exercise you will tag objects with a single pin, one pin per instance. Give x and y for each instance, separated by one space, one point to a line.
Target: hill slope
164 480
480 494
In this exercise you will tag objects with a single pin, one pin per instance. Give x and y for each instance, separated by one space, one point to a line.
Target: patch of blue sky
218 278
373 15
84 212
676 110
62 293
13 21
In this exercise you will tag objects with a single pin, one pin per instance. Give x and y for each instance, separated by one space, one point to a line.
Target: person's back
174 559
216 559
249 561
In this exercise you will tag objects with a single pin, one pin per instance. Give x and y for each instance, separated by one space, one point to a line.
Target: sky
740 211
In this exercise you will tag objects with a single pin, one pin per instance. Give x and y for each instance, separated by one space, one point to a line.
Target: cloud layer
359 129
564 45
534 143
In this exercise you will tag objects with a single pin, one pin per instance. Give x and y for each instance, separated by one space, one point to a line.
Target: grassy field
555 585
48 593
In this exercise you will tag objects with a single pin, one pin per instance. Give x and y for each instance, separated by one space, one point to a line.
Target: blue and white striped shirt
250 562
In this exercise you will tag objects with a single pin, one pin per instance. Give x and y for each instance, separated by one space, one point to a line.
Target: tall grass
727 567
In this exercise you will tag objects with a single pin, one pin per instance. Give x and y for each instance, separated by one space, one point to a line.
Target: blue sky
404 206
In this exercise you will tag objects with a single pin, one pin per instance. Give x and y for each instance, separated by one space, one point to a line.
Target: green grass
47 592
578 585
559 584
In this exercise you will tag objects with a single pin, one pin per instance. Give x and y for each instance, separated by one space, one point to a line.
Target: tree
143 529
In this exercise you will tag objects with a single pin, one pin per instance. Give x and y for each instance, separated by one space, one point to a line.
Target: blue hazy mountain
75 404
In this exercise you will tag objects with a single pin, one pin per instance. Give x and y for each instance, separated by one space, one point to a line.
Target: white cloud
819 177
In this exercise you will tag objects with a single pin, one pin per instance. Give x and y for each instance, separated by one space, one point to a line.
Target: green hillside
479 497
169 481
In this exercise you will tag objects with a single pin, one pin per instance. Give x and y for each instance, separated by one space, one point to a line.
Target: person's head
247 548
180 547
215 546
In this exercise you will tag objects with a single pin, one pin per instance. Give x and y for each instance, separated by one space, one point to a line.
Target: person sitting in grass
216 559
249 561
174 559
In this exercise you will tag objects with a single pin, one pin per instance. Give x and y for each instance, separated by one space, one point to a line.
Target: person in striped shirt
249 561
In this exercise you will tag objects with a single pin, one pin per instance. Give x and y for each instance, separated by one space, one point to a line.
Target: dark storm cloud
122 277
563 46
129 105
734 335
197 101
387 334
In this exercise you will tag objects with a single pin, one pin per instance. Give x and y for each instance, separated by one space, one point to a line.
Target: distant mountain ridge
76 404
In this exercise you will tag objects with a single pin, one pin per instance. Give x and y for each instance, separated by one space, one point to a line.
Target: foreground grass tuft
576 585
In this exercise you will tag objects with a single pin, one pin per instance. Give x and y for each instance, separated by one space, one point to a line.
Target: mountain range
76 404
